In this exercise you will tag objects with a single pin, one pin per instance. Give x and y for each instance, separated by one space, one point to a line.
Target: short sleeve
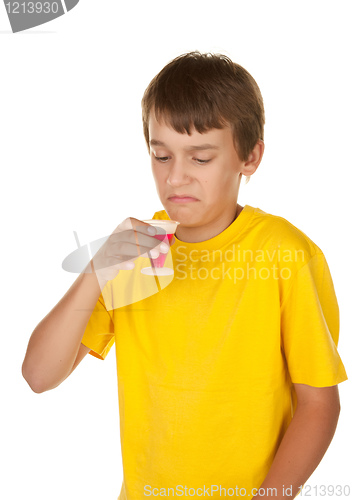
310 326
99 334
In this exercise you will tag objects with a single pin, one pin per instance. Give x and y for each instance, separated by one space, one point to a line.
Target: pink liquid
159 262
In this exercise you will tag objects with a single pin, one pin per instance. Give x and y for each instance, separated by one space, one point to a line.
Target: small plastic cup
165 229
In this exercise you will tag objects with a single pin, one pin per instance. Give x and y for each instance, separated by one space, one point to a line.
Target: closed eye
164 159
201 161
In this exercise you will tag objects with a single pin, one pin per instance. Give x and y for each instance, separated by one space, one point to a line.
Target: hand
131 239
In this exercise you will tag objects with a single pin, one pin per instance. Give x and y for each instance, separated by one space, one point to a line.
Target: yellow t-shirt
206 363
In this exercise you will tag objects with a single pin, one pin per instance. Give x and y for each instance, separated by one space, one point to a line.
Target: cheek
159 175
219 187
216 181
227 174
155 171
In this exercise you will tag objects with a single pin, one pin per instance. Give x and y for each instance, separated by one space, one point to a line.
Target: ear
254 159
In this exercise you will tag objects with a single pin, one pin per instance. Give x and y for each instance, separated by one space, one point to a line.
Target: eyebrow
155 142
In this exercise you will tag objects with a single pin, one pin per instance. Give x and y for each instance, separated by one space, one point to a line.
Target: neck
191 234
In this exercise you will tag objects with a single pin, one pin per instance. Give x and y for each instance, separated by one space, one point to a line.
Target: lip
182 198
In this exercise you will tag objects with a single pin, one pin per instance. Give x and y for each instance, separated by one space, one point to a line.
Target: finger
126 250
135 225
138 225
138 240
128 265
163 247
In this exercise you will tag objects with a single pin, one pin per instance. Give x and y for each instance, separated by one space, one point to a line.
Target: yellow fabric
205 366
99 333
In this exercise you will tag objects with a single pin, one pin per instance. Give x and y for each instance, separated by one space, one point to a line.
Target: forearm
301 449
54 343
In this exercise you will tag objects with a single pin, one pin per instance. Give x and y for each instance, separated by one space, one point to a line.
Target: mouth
182 199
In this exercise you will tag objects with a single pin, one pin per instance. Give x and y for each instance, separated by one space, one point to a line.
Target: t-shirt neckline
231 233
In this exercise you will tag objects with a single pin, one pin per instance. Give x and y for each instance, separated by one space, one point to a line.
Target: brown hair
207 91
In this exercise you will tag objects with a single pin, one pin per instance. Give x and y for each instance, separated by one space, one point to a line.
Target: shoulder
277 232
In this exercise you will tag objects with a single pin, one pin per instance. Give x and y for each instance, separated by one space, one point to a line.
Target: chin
185 219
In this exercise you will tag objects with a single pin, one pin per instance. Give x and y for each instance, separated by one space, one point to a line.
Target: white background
73 157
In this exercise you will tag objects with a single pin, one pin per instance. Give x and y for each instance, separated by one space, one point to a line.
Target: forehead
161 133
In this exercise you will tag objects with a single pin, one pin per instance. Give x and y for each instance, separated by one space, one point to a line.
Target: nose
178 175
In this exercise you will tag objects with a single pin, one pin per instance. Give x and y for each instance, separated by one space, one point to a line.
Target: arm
54 348
305 441
56 341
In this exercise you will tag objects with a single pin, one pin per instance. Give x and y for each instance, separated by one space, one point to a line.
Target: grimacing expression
203 166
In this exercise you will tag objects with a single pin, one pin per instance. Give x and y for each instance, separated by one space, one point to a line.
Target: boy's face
203 168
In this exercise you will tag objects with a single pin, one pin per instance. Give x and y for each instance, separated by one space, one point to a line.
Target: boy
227 377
